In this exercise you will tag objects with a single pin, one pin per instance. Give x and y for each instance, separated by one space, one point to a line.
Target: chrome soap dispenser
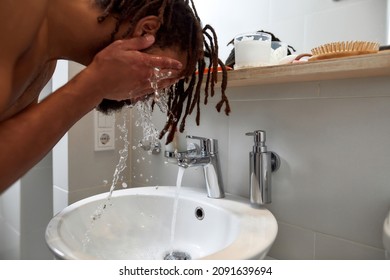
262 164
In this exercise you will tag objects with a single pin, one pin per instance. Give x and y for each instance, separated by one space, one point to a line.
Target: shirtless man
34 34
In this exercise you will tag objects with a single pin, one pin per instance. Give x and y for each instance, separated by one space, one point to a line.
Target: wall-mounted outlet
104 126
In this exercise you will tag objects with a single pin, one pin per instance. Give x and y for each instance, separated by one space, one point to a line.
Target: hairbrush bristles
342 49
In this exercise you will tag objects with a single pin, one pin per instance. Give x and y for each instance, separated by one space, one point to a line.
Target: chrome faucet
206 155
262 164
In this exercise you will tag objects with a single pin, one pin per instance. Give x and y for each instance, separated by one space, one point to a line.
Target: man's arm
28 136
118 72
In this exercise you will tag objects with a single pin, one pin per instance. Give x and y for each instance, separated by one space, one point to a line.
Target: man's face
171 52
108 106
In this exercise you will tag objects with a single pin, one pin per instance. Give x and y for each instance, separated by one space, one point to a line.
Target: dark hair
180 27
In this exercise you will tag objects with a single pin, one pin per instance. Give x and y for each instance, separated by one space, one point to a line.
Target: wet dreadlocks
180 27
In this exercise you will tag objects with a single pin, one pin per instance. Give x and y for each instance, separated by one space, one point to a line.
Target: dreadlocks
180 27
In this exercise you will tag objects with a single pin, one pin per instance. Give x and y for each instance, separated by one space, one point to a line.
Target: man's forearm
28 136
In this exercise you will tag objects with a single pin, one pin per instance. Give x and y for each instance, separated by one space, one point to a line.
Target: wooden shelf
372 65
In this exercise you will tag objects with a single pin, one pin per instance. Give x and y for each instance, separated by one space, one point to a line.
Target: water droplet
134 148
124 185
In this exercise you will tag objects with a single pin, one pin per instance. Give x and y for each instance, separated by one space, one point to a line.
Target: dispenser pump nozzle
259 140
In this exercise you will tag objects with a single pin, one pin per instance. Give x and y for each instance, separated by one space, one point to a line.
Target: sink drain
199 213
176 255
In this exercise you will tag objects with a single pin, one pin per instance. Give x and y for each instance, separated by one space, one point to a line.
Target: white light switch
104 126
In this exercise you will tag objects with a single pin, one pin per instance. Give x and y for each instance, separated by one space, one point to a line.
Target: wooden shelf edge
371 65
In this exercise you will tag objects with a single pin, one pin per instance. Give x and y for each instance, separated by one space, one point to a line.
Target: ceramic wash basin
137 224
386 236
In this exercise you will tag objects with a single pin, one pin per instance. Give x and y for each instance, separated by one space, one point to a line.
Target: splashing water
120 167
160 96
150 137
144 108
150 132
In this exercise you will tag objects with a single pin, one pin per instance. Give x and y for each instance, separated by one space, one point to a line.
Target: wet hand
121 71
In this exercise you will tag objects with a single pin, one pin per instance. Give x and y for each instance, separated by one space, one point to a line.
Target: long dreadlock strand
178 111
201 70
188 95
223 91
194 10
208 77
213 65
106 13
162 11
214 49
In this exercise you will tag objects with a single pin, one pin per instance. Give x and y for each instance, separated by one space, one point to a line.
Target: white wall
388 22
304 24
10 223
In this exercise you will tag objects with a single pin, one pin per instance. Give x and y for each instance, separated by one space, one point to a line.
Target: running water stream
175 205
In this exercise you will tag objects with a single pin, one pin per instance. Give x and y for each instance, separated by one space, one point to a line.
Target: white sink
137 225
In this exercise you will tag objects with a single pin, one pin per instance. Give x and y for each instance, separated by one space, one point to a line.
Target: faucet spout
205 155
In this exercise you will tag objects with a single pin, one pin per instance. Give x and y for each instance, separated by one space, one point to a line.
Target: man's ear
147 25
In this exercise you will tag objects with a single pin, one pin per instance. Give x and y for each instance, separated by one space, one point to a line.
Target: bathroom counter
372 65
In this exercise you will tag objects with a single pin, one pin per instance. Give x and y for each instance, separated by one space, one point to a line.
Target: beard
108 106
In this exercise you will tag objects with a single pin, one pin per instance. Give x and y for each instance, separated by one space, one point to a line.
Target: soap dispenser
261 164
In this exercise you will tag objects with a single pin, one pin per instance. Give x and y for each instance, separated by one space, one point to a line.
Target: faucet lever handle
207 145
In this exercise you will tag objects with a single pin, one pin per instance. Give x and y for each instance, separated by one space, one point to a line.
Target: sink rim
386 233
251 222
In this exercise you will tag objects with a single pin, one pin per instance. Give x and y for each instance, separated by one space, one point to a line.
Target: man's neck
73 31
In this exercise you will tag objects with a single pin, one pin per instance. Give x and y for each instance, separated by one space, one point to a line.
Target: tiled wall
25 210
10 223
332 191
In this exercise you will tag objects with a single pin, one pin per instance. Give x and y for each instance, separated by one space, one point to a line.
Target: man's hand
121 71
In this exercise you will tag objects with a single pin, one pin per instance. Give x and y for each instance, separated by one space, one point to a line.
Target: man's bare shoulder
19 23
